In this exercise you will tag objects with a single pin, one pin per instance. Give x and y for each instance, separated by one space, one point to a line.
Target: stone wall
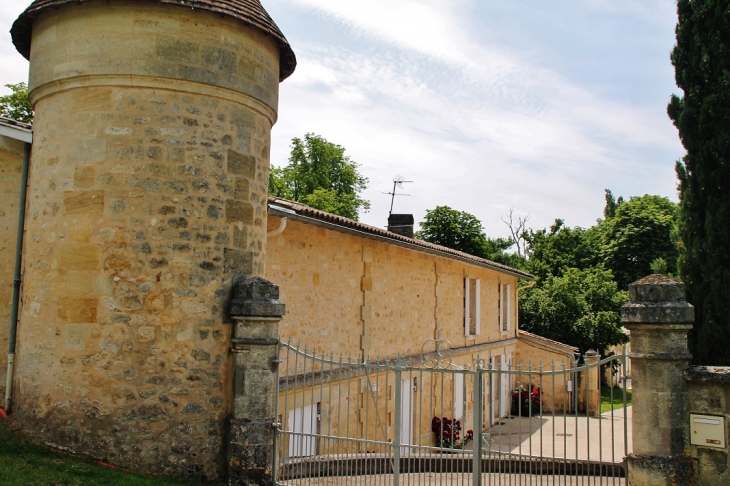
11 161
147 198
554 389
709 394
358 296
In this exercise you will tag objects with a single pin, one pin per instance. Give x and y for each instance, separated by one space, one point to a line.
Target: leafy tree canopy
454 229
641 230
320 175
553 251
702 116
580 308
16 104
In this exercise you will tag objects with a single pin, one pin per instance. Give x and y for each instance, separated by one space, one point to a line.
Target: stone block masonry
147 199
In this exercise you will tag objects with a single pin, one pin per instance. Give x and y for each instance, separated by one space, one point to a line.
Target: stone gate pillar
257 311
659 318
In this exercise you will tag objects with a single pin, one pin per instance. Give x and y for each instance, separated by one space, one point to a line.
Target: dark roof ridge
341 221
250 12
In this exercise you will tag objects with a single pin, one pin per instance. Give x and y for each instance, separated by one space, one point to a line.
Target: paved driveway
600 438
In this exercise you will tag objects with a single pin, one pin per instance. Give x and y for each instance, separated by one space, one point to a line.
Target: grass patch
25 463
618 398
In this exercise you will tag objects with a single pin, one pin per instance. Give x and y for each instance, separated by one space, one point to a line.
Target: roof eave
15 132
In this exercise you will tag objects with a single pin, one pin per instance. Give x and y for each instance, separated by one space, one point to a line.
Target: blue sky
486 105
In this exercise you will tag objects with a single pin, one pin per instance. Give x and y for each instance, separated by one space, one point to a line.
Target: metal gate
432 419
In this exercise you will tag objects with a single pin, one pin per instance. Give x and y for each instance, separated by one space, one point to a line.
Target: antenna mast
397 184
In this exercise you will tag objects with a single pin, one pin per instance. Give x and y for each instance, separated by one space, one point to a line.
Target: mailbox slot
707 430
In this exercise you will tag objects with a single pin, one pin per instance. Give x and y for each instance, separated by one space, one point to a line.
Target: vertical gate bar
367 393
613 424
552 393
307 439
529 421
520 379
442 455
588 419
386 400
338 432
330 444
420 419
349 401
396 433
432 413
576 393
565 419
312 380
285 411
540 368
478 426
493 457
600 424
293 435
626 435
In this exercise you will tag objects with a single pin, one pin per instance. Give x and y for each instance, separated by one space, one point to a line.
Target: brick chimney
401 224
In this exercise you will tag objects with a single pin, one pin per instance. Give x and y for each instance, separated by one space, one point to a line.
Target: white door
406 414
302 421
458 396
493 389
504 408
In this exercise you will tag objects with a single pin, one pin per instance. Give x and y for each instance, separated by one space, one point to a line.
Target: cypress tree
701 61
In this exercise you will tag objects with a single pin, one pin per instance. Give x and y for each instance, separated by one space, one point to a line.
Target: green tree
554 251
454 229
16 104
320 175
463 231
612 204
580 308
701 62
641 230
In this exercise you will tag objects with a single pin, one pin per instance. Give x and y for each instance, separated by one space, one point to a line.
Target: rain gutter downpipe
16 280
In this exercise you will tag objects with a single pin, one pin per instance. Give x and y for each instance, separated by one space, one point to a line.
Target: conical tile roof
250 12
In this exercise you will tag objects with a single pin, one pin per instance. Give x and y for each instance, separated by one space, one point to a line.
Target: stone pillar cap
657 299
256 297
656 288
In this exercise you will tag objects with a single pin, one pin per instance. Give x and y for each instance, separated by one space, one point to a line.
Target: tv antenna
397 184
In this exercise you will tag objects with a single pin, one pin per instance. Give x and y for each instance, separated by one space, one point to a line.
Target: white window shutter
466 306
509 307
500 306
477 307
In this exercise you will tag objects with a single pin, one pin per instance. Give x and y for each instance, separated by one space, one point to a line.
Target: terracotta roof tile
546 340
250 12
310 212
15 123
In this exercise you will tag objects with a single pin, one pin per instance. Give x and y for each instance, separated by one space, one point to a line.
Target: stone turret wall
147 198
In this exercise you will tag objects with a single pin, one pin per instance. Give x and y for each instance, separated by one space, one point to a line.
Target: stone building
361 291
147 197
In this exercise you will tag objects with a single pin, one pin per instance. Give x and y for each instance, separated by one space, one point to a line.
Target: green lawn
618 398
27 464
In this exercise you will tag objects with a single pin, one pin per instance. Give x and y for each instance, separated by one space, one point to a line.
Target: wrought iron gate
432 419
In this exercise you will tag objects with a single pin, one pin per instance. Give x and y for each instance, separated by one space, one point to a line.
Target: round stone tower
147 198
